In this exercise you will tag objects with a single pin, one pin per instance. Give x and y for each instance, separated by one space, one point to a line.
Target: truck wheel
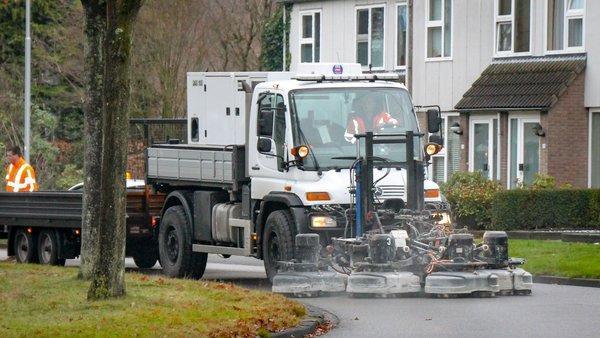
25 250
145 256
48 248
277 242
175 246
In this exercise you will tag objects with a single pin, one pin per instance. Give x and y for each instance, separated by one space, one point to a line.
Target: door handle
485 167
255 167
521 167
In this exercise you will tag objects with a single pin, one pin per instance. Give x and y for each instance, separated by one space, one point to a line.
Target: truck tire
25 247
145 256
47 246
175 246
277 241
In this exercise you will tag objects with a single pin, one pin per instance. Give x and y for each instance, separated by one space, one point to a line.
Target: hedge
525 209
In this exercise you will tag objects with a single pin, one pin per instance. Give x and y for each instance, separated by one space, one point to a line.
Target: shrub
543 181
526 209
470 195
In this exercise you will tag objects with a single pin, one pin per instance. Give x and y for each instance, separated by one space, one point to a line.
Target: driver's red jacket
356 124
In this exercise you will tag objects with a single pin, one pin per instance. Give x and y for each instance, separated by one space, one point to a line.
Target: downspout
284 38
409 62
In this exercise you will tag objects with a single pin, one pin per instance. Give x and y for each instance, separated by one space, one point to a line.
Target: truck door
266 167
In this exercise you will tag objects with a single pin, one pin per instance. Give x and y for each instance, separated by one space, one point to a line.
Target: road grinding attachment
462 283
522 282
309 283
383 284
306 276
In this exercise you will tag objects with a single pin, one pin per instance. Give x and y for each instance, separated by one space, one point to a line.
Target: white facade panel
592 46
442 81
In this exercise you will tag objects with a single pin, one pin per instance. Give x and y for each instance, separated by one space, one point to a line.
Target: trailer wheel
48 248
145 256
277 242
175 246
25 250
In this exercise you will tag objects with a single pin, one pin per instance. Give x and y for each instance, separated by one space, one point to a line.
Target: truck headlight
323 222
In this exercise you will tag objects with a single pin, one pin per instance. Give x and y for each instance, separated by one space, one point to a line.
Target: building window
565 24
401 35
484 146
595 150
310 41
370 36
439 28
523 150
447 161
513 26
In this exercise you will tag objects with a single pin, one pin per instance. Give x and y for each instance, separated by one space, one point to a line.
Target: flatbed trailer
45 227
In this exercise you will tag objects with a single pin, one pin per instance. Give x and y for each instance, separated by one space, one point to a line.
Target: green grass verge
50 301
556 258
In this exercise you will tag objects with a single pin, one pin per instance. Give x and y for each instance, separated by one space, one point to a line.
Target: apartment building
518 81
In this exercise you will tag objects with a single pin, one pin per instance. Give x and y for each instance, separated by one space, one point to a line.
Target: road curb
587 282
565 236
308 325
579 237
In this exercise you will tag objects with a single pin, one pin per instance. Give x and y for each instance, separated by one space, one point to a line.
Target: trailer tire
145 256
25 247
277 241
47 248
175 246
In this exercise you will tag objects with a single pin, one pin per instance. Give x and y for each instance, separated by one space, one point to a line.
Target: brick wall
567 137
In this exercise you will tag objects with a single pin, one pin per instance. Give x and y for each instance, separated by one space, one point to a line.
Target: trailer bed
63 209
185 165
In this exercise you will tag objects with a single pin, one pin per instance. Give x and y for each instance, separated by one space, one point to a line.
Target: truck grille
390 191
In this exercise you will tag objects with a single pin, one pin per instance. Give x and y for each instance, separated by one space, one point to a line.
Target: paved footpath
552 311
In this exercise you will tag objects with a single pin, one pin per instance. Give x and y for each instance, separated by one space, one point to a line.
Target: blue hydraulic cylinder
358 201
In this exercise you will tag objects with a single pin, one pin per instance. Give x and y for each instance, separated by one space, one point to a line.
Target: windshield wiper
304 139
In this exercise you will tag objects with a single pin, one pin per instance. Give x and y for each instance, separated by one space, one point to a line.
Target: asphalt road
552 311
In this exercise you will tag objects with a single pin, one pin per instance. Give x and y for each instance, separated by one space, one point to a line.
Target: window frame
311 40
396 66
444 152
369 7
495 174
511 19
592 112
575 14
521 117
439 23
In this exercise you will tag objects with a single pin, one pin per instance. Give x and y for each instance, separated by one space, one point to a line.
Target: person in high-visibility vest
20 176
367 117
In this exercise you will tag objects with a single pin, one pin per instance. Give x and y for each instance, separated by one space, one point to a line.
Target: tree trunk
109 268
95 31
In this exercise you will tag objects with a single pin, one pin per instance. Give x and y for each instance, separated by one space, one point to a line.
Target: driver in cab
367 115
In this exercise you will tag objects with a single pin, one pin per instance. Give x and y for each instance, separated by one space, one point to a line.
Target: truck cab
272 155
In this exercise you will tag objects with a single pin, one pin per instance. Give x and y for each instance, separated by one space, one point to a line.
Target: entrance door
524 151
483 145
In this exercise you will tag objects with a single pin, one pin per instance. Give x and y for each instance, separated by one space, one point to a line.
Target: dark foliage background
171 38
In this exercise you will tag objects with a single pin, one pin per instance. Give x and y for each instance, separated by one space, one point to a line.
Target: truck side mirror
436 139
265 145
434 120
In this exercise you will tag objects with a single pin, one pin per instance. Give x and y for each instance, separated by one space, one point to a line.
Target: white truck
270 156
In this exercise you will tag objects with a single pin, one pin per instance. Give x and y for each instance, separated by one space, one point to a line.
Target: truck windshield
327 119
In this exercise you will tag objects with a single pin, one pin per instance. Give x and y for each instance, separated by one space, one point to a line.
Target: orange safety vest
20 177
356 125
